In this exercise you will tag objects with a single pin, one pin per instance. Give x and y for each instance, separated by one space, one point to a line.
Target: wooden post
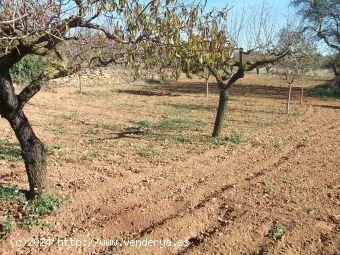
80 84
207 86
288 99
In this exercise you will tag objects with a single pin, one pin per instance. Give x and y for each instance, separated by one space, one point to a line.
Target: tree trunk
301 97
33 151
288 99
220 116
336 82
257 70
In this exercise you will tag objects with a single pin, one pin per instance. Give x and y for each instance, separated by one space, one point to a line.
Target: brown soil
138 163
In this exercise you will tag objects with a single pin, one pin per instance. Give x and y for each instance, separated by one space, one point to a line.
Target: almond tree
39 28
206 42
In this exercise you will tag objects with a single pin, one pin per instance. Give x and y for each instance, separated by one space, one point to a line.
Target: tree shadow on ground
246 90
147 92
213 108
335 107
265 91
10 151
192 106
10 193
130 132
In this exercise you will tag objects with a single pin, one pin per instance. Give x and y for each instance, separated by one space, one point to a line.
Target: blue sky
280 6
279 9
279 13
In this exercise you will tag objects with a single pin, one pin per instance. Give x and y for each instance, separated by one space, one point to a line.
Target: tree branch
35 86
252 65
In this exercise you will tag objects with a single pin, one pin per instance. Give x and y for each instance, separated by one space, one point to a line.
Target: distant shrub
325 91
28 68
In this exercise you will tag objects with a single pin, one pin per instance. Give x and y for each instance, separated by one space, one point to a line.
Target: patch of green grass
324 91
10 151
234 138
237 138
91 131
34 210
266 123
178 124
72 116
27 214
183 139
12 155
117 91
51 150
30 222
267 187
176 112
173 124
163 130
44 205
7 227
276 232
143 123
274 110
111 127
297 113
157 136
9 194
293 181
91 141
90 156
129 106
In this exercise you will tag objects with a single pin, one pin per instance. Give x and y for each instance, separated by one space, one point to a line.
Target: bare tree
299 64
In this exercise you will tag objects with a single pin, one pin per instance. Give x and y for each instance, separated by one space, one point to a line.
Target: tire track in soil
209 233
190 187
217 194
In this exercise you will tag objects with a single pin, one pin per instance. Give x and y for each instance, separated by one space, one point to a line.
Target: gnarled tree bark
33 151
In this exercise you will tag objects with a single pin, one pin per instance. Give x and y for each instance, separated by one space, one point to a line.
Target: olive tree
322 18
